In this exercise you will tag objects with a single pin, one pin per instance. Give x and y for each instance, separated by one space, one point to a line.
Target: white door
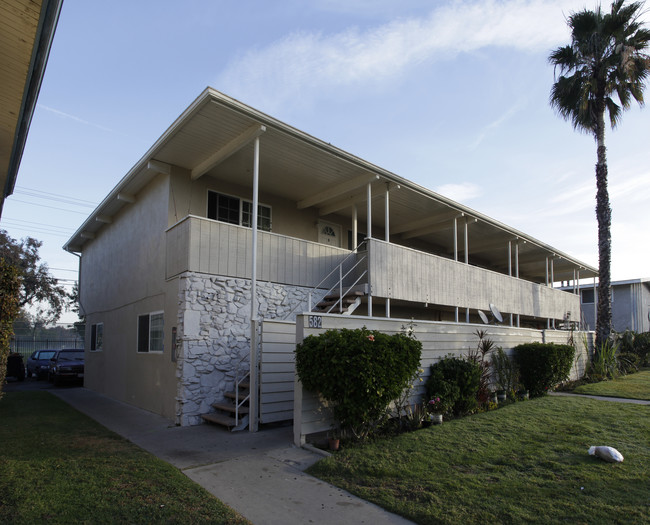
329 233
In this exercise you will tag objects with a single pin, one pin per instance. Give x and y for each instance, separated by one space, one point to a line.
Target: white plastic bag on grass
609 454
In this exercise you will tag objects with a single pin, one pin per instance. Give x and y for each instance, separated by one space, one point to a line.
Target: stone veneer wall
214 335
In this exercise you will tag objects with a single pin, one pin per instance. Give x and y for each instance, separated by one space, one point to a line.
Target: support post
369 212
355 227
387 235
254 397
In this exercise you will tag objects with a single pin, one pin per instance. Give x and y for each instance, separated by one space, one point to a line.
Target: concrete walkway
260 475
603 398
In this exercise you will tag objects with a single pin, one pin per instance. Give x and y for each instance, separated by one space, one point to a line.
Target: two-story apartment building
231 204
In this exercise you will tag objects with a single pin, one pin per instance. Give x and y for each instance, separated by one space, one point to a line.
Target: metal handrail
339 268
237 383
340 284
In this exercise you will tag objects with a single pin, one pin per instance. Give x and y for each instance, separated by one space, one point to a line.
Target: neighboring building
630 305
167 259
26 32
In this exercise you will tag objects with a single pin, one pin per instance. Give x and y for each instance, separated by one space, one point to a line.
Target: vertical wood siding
403 273
207 246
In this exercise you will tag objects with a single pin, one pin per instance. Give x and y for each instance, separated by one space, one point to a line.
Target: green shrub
506 374
9 294
628 362
642 348
456 382
359 372
543 365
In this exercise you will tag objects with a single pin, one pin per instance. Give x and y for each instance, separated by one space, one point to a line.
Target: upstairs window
587 296
150 332
234 210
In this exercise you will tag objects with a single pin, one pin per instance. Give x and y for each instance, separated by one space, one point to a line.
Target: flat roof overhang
26 32
214 136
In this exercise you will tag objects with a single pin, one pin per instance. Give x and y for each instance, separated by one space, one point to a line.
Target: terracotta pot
334 443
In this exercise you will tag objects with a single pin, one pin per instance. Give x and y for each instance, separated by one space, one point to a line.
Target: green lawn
633 386
59 466
524 463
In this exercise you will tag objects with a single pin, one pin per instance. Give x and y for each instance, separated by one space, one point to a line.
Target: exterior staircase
344 304
231 413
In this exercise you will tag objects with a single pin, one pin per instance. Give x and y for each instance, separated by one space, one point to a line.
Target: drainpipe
253 399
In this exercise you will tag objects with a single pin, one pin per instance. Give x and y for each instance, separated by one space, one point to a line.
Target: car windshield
71 356
46 355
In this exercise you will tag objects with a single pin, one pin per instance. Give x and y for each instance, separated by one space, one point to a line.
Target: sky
452 95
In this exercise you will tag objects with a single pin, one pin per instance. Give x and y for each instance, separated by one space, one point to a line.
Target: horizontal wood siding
403 273
201 245
438 340
277 371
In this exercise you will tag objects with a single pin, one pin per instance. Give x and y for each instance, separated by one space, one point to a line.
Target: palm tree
606 59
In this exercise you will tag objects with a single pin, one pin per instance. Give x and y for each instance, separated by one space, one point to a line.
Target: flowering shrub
457 382
359 372
436 406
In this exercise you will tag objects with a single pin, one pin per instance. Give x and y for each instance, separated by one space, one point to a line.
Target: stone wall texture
214 335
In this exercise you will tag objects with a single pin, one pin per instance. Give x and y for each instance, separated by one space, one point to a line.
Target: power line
19 222
40 194
51 207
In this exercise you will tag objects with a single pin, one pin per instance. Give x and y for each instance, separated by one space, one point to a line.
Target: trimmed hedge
456 382
542 366
359 372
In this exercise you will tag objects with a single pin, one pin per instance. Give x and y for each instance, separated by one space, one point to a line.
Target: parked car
66 364
38 363
15 366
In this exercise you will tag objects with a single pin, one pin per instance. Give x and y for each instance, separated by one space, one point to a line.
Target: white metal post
253 399
355 227
387 235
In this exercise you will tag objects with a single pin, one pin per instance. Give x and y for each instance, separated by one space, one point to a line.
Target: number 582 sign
315 321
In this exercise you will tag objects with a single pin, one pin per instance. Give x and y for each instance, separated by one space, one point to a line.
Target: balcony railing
397 272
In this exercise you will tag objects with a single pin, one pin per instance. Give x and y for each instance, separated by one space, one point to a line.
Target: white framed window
150 332
233 210
97 337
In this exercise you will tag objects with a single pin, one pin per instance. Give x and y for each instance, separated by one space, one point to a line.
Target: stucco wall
214 332
123 276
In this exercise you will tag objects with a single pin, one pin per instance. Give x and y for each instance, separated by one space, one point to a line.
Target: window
588 296
234 210
150 332
97 337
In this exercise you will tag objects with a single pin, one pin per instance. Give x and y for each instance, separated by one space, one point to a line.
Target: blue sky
450 94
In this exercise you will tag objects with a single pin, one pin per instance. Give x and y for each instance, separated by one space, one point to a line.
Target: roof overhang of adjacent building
26 31
214 137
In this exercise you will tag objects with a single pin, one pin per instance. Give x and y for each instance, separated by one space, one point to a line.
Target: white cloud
462 192
304 62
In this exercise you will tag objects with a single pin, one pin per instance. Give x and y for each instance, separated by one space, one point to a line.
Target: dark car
38 364
66 365
15 366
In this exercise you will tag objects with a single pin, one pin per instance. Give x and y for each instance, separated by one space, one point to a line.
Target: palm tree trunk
604 218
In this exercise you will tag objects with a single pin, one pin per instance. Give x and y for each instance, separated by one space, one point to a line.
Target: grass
59 466
633 386
524 463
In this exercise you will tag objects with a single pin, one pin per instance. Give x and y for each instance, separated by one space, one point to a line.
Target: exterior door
329 233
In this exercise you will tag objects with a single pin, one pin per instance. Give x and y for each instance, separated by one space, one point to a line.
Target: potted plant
334 439
436 408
